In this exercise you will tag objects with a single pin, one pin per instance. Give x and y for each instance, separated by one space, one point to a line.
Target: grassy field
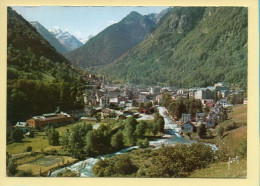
221 170
38 142
42 165
231 139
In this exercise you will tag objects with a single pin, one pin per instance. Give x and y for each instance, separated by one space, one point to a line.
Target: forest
39 79
190 47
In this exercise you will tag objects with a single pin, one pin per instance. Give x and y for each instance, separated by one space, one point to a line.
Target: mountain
49 37
65 38
112 42
39 79
84 40
191 46
156 17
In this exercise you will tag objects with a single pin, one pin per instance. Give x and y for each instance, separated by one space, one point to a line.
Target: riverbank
170 137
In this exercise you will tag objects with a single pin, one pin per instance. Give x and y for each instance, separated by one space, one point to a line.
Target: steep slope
192 46
156 17
65 38
112 42
49 37
39 79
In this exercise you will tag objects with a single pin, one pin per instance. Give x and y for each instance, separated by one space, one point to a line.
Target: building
142 99
204 94
50 119
113 101
200 117
183 92
210 123
155 90
187 127
22 126
88 119
158 98
186 117
77 114
245 101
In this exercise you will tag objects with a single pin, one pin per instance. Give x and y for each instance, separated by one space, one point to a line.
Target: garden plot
47 161
44 164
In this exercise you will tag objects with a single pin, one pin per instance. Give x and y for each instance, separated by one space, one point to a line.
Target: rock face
49 37
68 40
156 17
191 46
112 42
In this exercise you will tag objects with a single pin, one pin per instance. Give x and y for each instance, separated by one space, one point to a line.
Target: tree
53 136
160 124
65 139
180 160
243 148
17 135
124 166
130 127
166 99
140 128
140 143
146 142
117 140
11 168
135 103
149 104
206 109
141 105
155 128
201 131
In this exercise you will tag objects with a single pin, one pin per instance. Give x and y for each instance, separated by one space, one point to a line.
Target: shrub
180 160
27 173
201 130
11 168
243 148
146 142
28 149
140 143
31 135
17 135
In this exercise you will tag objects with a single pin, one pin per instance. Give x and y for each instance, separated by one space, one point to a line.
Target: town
194 111
106 100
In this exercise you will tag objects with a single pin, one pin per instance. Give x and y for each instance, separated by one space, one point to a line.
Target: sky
80 21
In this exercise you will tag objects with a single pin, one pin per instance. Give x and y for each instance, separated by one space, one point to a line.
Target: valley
138 99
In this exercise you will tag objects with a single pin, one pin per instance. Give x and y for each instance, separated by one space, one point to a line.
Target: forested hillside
112 42
191 46
39 79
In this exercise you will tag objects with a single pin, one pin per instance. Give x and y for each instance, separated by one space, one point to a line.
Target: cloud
110 22
56 27
77 34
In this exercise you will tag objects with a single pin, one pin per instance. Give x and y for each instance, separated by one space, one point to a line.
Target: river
84 168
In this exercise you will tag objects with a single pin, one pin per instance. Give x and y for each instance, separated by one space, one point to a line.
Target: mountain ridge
66 39
49 37
183 47
112 42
